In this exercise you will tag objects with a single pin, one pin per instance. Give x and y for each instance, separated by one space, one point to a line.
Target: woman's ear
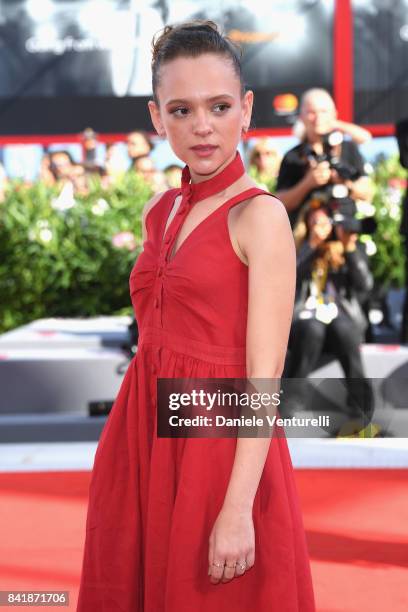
156 119
247 108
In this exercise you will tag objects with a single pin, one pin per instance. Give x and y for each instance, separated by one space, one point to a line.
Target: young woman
200 524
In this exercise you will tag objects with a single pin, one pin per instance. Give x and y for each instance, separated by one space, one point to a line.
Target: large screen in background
68 64
380 33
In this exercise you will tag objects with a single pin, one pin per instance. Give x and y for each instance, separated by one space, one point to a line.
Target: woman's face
319 218
201 111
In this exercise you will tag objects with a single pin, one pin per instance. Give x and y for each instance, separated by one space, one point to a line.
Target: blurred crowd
58 167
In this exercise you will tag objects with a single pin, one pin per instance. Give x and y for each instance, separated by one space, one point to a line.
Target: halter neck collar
193 192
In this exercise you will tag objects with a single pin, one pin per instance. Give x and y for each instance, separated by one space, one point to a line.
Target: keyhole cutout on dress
169 225
173 214
172 218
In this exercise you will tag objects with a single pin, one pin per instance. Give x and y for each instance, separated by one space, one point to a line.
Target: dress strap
162 208
165 204
240 197
155 226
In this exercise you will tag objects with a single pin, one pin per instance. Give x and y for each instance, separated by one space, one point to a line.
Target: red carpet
356 523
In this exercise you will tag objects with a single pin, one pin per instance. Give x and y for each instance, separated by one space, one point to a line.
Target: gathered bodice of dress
202 291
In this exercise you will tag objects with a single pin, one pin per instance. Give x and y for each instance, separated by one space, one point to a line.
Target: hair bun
191 39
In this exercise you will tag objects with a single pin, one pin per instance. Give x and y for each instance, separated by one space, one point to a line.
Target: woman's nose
202 124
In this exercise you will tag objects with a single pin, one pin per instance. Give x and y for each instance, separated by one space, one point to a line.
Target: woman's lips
204 150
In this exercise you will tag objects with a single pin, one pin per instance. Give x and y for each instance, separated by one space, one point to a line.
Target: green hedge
66 257
388 261
59 255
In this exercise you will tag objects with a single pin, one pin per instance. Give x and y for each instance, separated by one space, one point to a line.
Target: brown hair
192 39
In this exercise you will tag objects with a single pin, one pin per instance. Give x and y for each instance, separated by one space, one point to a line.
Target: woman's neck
199 178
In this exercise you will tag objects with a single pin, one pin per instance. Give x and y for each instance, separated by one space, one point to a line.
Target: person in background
357 133
89 141
302 172
332 275
144 166
147 170
46 175
114 163
264 163
79 180
63 169
139 145
82 175
173 176
61 165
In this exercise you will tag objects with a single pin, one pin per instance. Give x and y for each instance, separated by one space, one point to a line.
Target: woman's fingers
217 571
210 553
241 567
224 571
223 566
250 559
229 570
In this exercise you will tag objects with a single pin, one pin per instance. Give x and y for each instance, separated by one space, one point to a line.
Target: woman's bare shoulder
263 225
263 208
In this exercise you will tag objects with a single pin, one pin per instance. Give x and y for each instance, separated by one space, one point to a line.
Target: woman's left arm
265 238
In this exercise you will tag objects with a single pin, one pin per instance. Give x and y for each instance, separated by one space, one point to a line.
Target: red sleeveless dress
153 501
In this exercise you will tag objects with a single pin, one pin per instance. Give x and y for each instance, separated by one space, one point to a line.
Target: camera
330 143
342 210
335 197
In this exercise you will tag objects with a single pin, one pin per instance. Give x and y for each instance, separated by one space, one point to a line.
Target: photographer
323 158
332 273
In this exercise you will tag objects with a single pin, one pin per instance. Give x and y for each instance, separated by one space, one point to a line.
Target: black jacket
352 282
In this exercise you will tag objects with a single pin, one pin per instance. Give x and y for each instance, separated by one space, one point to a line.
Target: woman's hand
335 249
232 542
349 239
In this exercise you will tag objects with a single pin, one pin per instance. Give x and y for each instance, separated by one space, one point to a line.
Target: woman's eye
183 111
221 107
179 112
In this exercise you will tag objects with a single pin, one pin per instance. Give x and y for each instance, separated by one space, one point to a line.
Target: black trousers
310 337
